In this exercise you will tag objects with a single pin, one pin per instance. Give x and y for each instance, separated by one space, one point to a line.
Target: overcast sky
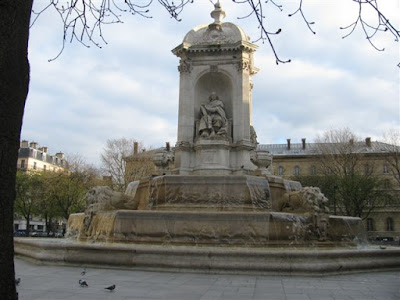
130 87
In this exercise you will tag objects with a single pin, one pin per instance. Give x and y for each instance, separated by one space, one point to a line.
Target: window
367 169
370 224
22 163
280 170
389 224
385 169
296 170
313 170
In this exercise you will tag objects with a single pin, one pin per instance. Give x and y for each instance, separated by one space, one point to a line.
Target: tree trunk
48 224
28 225
14 83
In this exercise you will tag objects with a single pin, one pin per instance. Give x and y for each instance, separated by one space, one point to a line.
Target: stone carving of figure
213 118
253 135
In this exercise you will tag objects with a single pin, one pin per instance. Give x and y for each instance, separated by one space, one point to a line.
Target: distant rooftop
313 148
32 150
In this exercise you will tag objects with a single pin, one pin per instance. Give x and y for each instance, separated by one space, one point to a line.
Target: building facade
32 158
292 160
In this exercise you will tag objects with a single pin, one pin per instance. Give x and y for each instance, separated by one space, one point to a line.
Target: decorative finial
218 14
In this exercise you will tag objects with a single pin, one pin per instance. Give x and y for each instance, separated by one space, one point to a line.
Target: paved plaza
46 282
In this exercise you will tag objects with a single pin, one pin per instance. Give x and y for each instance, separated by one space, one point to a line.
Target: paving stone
45 282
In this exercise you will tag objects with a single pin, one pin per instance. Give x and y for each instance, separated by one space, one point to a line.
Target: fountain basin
213 228
237 260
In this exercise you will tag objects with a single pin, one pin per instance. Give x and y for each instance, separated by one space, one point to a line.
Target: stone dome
217 36
216 33
224 33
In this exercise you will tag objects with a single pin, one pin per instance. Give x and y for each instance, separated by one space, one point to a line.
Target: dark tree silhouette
83 21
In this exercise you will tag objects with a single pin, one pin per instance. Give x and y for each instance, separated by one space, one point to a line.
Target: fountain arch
218 82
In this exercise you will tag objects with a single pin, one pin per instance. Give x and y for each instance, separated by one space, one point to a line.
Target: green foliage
346 177
53 195
29 191
65 192
352 195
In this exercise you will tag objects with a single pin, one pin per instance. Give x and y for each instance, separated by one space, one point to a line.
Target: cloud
130 87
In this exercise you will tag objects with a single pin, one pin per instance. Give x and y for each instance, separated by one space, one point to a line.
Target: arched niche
216 82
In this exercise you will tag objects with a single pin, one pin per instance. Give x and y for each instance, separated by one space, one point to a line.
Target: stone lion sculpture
103 198
312 201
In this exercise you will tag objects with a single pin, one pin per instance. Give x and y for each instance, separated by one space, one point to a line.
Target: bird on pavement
17 281
110 288
83 273
83 283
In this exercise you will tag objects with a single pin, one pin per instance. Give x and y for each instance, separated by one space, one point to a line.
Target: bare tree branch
256 10
371 29
300 10
84 19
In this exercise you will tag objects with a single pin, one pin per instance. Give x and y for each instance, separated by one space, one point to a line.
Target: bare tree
392 139
118 164
351 178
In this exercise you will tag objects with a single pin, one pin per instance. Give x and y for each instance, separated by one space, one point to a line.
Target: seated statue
213 118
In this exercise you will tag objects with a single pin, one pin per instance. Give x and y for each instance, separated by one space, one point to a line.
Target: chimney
303 142
60 155
135 148
368 142
288 144
33 145
24 144
167 146
44 149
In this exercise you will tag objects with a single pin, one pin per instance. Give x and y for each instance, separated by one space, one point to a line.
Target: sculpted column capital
243 66
184 67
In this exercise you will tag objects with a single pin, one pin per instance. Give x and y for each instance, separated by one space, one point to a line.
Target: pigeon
110 288
17 281
83 283
83 273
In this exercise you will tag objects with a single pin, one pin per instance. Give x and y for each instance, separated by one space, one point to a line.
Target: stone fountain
214 206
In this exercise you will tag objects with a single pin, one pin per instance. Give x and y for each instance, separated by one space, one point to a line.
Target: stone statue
320 211
103 198
312 201
253 135
213 118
